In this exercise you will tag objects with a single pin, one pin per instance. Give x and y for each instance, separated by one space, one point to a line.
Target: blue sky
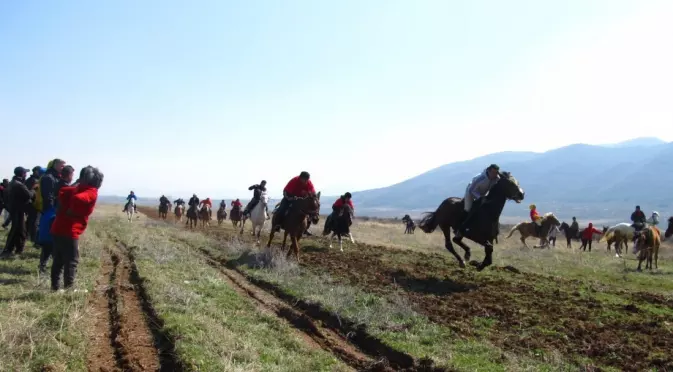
212 96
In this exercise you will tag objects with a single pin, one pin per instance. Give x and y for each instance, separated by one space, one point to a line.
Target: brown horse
205 215
163 210
221 215
235 215
527 229
295 221
483 228
669 230
179 211
647 246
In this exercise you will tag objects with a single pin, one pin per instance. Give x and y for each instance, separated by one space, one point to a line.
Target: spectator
32 212
76 203
49 186
19 198
65 180
588 236
4 202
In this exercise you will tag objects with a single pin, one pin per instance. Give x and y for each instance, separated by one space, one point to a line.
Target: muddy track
123 320
349 343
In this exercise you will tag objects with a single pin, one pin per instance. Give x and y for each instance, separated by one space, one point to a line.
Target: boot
466 221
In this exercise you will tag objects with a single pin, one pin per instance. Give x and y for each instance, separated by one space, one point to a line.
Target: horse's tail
429 222
515 228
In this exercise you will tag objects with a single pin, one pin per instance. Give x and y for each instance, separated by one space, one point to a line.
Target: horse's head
508 187
551 218
311 206
605 229
264 198
564 227
669 230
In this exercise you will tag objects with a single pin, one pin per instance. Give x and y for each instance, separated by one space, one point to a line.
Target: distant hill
603 182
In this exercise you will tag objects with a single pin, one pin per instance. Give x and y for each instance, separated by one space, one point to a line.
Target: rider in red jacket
299 186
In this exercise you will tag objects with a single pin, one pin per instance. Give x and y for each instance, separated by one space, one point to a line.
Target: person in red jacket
207 202
76 203
343 200
588 235
236 204
299 186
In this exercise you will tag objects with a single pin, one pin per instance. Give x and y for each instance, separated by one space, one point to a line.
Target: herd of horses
483 228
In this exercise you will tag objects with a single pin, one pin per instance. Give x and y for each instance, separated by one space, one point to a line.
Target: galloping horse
340 226
192 216
258 216
221 214
163 210
205 215
295 222
179 211
410 225
235 215
484 227
527 229
131 209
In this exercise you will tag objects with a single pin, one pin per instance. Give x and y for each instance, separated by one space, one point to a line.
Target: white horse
258 216
131 209
619 233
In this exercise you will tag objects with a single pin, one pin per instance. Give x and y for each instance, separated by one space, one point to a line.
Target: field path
125 334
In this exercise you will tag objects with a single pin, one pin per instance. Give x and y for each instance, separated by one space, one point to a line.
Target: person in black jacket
257 191
4 203
33 214
19 198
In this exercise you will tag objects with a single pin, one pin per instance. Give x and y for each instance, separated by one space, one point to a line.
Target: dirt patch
100 354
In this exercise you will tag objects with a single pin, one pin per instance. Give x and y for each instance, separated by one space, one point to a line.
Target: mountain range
598 182
602 182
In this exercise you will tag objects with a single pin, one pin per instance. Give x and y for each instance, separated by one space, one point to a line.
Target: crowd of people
51 211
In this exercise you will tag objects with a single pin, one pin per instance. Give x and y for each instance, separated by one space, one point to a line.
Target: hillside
603 182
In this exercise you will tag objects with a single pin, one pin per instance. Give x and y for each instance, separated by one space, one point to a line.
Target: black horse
410 226
339 226
569 233
483 228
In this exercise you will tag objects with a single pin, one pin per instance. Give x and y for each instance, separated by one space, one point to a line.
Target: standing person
19 198
76 203
50 184
65 180
4 195
552 235
32 212
588 236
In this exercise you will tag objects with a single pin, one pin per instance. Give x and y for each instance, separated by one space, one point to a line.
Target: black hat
348 195
494 166
304 175
20 171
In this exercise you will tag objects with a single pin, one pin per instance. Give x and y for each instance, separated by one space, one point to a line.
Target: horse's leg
282 247
488 260
350 235
449 247
459 240
341 246
330 240
523 240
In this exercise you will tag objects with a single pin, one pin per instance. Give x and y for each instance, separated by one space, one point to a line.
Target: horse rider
654 220
223 205
639 220
193 201
179 201
536 219
298 186
207 202
339 204
574 226
236 204
256 196
131 195
163 200
475 190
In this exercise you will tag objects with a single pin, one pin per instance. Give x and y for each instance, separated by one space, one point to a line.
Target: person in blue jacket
131 195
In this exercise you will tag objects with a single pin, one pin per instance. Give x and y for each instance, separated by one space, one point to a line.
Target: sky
170 97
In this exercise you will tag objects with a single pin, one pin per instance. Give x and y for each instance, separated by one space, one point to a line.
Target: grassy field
161 297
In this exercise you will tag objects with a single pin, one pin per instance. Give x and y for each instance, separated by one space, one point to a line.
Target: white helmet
655 213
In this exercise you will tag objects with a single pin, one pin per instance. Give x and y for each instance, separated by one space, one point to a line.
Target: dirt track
527 313
124 334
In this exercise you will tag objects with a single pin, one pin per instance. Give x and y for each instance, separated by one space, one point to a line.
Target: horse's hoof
467 256
461 264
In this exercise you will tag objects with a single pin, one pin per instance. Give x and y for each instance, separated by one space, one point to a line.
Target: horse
235 215
205 215
130 209
483 229
258 216
339 226
295 221
527 229
618 234
163 210
179 211
647 246
410 226
669 230
221 214
192 216
569 233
